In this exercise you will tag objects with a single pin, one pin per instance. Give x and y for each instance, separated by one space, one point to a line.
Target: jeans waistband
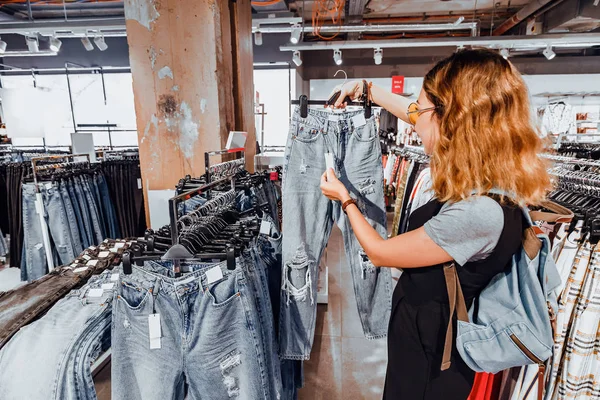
159 275
320 119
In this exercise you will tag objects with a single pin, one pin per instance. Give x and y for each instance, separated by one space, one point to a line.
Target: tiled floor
343 365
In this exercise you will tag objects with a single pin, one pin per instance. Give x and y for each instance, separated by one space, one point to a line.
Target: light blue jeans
308 217
210 336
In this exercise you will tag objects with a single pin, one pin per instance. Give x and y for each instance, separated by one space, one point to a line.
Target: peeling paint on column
155 157
152 55
188 130
175 88
203 105
142 11
164 72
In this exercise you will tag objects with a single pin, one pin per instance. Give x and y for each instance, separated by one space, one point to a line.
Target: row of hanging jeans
3 245
11 181
79 213
217 325
73 307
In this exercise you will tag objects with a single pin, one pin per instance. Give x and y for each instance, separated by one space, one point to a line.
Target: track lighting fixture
505 53
337 56
55 43
296 33
549 53
2 46
32 44
297 59
258 38
100 42
378 56
87 43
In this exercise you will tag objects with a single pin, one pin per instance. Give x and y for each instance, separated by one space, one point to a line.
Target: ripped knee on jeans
297 282
229 362
365 264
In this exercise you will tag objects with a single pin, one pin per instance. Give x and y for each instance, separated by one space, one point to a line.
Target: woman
473 116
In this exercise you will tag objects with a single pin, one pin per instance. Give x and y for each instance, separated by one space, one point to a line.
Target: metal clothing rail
571 160
209 154
39 203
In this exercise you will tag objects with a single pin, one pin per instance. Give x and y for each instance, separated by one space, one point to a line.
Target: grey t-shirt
467 230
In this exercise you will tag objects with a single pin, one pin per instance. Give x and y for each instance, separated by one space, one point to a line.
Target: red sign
397 84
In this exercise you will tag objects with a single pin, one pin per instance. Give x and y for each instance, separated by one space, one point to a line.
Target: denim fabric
58 223
34 263
73 214
3 245
77 190
93 182
109 210
210 336
97 234
308 217
43 347
191 204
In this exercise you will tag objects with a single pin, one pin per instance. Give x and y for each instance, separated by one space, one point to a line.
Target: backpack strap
457 302
559 213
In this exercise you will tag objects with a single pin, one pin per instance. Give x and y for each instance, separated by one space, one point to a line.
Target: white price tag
92 247
114 277
108 286
103 254
329 161
265 228
97 292
48 185
214 274
114 250
80 269
119 245
359 120
92 263
154 330
139 183
87 257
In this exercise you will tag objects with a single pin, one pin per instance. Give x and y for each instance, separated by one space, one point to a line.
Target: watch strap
347 203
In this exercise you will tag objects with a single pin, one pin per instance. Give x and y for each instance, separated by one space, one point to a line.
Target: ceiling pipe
507 42
520 16
379 28
432 18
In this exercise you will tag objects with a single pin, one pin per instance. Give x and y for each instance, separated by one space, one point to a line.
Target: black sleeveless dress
420 314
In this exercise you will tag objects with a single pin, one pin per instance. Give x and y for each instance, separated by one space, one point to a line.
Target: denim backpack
513 323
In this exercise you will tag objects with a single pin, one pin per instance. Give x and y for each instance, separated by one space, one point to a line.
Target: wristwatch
347 203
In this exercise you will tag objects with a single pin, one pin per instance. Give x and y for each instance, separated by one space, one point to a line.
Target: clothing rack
571 160
208 154
35 162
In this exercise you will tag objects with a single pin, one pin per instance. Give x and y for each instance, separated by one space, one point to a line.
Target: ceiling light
378 56
55 43
87 43
549 53
505 53
100 43
296 33
2 46
337 56
297 59
32 44
258 38
459 20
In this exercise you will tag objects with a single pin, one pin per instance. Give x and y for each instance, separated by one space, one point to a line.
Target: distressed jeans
308 217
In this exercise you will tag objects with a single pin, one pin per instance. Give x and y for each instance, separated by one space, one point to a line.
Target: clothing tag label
103 254
92 247
359 120
92 263
49 185
87 257
38 207
274 176
214 274
119 245
97 292
114 250
154 330
74 265
105 241
108 286
265 227
80 269
329 163
114 277
139 183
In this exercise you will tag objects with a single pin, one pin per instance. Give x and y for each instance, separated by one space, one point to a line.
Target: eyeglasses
414 112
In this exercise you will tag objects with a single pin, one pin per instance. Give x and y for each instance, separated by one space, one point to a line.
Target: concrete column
191 62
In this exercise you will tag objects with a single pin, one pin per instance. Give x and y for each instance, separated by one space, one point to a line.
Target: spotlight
549 53
55 43
2 46
296 33
100 42
258 38
337 56
378 56
87 43
459 20
297 59
32 44
505 53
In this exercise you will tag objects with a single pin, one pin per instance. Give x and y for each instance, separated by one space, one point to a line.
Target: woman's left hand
332 187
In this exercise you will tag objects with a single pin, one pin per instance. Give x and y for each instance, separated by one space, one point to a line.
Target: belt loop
326 125
155 290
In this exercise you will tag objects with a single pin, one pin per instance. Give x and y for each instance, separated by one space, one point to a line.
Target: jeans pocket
365 133
133 295
223 292
303 133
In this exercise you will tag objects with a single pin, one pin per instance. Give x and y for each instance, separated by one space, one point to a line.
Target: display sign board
398 84
236 141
